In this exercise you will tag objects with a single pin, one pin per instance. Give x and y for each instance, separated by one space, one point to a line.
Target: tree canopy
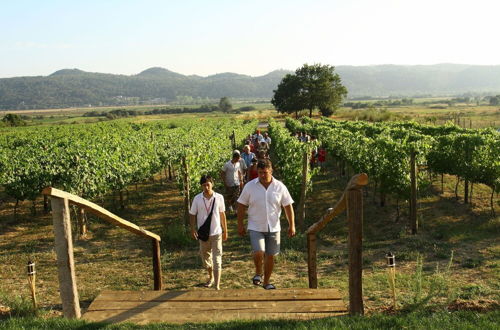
13 120
311 87
225 105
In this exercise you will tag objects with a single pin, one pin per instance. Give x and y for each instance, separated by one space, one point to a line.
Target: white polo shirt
201 206
264 205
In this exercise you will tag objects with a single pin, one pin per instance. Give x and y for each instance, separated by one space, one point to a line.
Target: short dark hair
205 179
265 163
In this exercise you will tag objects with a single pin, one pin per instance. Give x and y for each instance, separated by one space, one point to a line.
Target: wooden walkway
214 306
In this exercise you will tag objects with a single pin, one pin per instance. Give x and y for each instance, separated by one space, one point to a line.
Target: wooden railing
352 201
60 201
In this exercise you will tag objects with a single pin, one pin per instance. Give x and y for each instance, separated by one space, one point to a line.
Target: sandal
257 280
269 286
208 284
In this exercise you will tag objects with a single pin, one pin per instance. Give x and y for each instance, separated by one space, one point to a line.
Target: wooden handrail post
301 209
355 225
312 261
65 260
157 265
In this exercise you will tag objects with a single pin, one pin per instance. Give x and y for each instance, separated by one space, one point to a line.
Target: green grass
420 320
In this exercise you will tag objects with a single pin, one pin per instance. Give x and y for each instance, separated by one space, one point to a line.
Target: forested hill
73 87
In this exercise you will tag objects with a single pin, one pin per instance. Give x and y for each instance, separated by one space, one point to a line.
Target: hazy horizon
201 38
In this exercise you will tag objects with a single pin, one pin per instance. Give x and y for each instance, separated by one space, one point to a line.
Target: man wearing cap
264 197
232 177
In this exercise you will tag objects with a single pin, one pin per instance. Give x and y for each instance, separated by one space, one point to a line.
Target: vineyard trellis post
413 193
301 209
186 192
82 223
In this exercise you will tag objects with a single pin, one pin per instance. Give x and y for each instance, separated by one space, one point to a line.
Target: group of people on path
255 195
318 155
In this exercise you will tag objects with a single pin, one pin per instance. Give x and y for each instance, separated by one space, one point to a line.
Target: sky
246 37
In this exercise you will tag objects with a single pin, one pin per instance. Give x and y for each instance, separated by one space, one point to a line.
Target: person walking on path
247 155
208 225
232 177
252 171
264 197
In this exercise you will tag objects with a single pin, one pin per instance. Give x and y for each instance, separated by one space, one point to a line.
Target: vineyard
92 160
383 151
109 158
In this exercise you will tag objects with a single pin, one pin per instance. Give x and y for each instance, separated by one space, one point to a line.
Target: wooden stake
391 273
65 260
157 265
355 225
301 209
31 282
186 192
82 223
413 195
312 261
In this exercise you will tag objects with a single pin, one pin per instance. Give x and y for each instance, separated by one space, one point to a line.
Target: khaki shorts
211 252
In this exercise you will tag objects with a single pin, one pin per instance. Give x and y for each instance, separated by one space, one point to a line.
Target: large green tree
311 87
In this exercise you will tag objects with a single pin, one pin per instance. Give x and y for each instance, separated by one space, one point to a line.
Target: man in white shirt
264 197
210 250
232 177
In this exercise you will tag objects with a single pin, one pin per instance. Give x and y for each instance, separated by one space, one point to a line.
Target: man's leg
258 260
268 268
272 241
257 242
229 201
206 259
217 258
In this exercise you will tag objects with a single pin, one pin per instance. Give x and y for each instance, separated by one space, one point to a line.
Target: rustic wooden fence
352 201
64 245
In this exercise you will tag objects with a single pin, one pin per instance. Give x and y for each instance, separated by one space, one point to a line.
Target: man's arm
241 216
223 223
240 175
290 216
192 221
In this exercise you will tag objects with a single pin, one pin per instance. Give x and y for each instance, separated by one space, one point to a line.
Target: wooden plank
145 317
222 295
100 212
65 258
197 306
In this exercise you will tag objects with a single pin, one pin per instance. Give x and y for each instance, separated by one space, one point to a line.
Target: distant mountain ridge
74 87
